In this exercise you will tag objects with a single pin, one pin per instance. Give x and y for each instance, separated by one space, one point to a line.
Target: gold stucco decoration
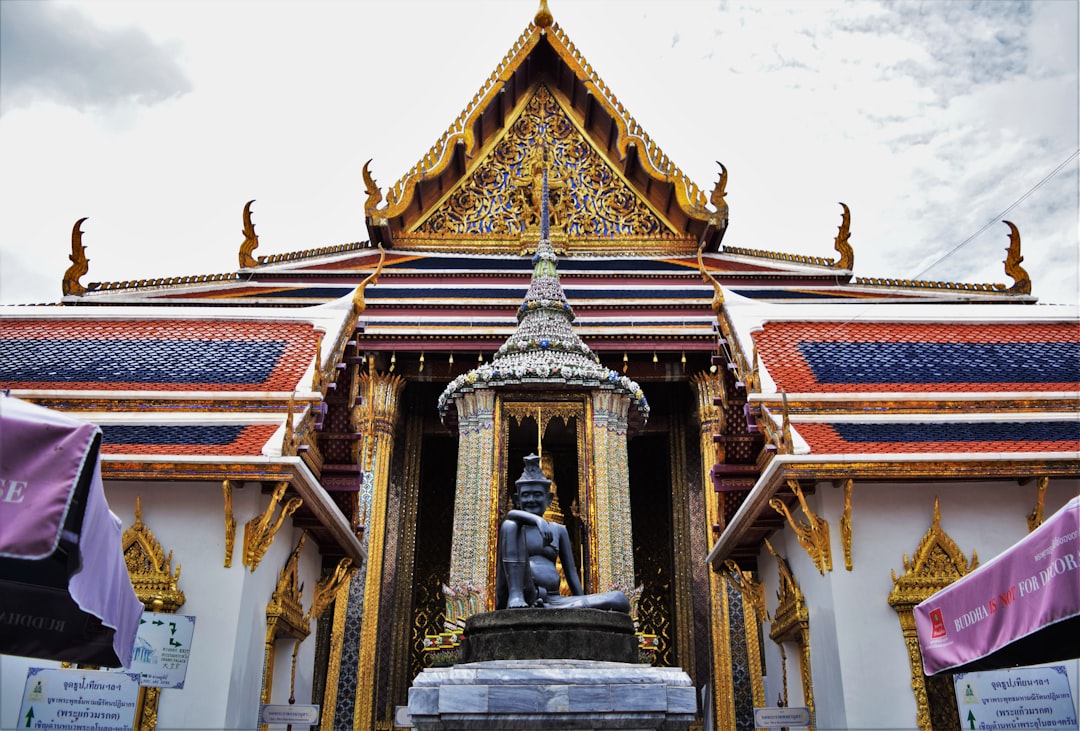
230 522
842 243
1035 519
845 524
156 586
259 532
80 265
812 533
791 623
591 199
251 239
327 588
1021 281
936 563
752 590
284 616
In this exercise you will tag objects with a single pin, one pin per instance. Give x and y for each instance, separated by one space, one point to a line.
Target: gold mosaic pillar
708 388
609 509
381 394
472 555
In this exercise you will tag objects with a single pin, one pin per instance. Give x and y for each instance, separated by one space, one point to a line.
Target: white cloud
927 119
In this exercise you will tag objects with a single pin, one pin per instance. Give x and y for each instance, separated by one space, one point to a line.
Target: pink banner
42 455
1029 587
65 593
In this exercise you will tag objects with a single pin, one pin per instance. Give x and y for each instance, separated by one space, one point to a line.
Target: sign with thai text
56 698
162 649
1018 698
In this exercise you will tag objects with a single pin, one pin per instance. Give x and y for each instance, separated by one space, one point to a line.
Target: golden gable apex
543 53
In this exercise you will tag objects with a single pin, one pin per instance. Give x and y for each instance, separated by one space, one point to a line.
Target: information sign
781 717
162 649
64 698
1028 698
297 714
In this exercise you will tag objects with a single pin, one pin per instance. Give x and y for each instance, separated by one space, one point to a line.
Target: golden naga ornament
1035 519
812 533
80 265
259 532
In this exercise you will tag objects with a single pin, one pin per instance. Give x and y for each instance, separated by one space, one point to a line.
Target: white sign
162 649
1020 698
779 717
62 698
301 715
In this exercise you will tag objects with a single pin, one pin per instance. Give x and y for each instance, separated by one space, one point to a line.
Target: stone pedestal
547 669
545 694
563 634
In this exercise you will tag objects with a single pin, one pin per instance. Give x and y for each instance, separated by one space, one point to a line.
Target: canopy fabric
65 593
1021 608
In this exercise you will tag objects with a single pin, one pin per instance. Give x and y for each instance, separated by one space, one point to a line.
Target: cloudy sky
159 120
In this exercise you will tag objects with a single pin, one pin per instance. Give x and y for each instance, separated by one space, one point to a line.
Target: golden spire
543 17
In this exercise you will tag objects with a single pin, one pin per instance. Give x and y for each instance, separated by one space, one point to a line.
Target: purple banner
1030 586
42 455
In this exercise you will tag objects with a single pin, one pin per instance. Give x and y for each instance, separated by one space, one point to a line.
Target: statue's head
533 489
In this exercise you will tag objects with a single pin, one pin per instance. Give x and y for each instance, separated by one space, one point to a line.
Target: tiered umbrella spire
544 350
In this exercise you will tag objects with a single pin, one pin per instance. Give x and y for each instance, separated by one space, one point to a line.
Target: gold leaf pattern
592 200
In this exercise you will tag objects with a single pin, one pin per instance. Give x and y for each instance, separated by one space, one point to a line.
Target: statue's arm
566 557
522 517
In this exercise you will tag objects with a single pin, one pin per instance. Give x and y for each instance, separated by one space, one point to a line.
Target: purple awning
65 593
1020 608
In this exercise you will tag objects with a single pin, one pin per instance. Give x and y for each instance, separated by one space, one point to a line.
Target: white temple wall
224 678
859 661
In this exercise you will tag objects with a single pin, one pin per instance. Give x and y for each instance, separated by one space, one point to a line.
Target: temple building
775 458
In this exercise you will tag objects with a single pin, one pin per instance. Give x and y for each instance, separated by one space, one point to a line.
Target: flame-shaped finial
543 17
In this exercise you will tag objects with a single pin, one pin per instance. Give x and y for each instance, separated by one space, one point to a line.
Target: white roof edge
769 482
775 397
87 394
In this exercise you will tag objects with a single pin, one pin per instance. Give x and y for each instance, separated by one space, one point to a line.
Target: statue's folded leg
514 561
615 601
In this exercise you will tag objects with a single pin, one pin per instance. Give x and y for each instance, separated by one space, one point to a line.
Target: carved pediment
589 198
149 568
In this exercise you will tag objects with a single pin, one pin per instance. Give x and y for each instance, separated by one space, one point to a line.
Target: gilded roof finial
847 254
1021 281
251 239
720 189
543 17
80 265
374 195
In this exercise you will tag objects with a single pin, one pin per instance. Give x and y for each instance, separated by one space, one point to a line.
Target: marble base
550 694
